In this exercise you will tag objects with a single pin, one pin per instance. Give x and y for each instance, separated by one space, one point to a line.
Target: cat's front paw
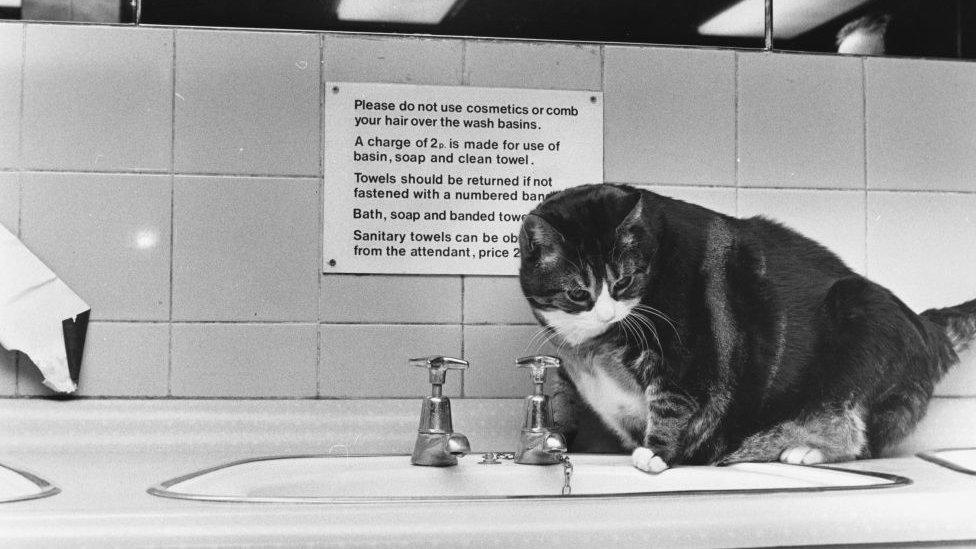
802 455
646 460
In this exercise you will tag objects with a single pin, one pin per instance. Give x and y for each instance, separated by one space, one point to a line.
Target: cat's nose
603 311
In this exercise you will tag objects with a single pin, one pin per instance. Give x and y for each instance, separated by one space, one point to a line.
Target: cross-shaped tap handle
539 364
438 366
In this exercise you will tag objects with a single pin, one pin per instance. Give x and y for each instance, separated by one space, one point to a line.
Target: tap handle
539 364
438 366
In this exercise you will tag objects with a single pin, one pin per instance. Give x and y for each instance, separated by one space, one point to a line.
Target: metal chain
567 474
491 458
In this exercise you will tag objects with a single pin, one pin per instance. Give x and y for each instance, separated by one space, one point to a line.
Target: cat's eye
623 283
579 295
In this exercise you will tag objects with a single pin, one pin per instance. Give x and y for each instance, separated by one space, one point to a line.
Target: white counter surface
104 500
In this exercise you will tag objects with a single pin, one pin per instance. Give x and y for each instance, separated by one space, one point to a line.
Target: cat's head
586 257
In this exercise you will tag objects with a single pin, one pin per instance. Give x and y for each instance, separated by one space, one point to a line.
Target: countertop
103 456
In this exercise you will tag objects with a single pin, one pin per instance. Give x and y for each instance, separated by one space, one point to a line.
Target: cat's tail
959 323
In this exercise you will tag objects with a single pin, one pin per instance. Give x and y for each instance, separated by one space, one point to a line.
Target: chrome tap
437 443
538 444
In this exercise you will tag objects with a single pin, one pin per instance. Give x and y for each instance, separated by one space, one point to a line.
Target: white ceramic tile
401 299
97 98
669 116
719 199
961 379
121 359
495 300
10 200
29 378
948 424
11 66
921 124
921 246
532 65
246 249
106 235
835 219
247 103
800 121
396 59
492 351
244 360
371 360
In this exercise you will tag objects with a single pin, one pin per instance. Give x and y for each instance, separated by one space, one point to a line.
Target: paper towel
39 315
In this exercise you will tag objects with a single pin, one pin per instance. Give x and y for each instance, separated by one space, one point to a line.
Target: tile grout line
164 172
20 217
735 127
321 220
463 372
172 216
864 147
18 356
464 79
303 323
20 107
603 109
406 399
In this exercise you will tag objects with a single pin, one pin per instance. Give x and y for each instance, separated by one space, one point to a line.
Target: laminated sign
437 179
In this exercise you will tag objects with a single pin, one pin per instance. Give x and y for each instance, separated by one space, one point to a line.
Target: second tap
538 444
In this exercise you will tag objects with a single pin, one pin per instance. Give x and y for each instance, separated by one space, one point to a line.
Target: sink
376 478
16 485
957 459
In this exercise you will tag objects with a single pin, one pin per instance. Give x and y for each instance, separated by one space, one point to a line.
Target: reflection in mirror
908 28
87 11
642 21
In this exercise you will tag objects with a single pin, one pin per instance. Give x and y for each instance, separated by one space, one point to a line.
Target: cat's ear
634 227
538 239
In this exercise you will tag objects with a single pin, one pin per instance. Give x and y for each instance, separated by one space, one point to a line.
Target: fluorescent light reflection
418 12
146 239
791 18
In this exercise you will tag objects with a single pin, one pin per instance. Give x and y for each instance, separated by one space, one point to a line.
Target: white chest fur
619 404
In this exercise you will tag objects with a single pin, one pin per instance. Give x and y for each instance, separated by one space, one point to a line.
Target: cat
699 338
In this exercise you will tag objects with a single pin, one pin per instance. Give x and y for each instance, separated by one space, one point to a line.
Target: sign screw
332 263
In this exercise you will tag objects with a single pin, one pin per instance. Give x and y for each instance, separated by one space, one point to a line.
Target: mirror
907 28
81 11
641 21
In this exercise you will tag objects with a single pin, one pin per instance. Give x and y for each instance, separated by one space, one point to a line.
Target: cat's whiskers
545 341
659 314
559 346
647 323
541 336
630 326
625 328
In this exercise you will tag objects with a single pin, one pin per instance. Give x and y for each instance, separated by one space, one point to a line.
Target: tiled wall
173 178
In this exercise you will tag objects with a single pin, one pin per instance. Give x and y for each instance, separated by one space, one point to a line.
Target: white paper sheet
33 304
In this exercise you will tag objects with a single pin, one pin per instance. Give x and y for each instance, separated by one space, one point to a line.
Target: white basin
18 485
958 459
336 479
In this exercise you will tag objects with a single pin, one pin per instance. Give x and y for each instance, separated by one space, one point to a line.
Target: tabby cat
700 338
